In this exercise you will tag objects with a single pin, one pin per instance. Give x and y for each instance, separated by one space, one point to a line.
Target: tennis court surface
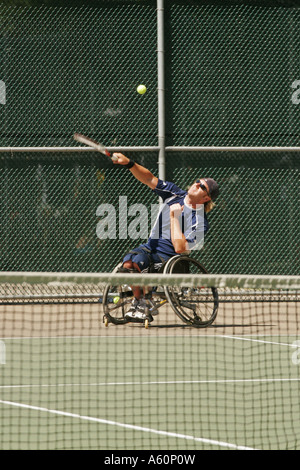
70 382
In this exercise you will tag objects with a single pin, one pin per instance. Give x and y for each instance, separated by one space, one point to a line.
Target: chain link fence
232 75
50 204
77 69
231 79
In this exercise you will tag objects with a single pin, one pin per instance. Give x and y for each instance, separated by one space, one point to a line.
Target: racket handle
111 155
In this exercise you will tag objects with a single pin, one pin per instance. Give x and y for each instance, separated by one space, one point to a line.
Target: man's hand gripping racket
96 145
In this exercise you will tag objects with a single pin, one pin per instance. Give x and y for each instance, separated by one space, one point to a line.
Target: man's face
199 192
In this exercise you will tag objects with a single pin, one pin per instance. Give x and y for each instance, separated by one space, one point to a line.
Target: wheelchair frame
197 307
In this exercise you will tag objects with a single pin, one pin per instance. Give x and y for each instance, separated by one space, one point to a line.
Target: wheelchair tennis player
179 228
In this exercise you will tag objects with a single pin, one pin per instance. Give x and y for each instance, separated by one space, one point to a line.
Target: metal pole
13 150
232 149
161 89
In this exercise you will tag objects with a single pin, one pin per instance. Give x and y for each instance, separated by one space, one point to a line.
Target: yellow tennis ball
141 89
116 299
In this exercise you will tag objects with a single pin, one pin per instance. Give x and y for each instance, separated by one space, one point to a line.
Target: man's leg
138 261
130 265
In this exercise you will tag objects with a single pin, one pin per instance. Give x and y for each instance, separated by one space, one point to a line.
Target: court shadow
213 326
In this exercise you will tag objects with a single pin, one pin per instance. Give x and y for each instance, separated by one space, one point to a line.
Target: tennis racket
96 145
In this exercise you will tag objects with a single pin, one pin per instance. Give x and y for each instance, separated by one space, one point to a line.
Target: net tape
193 280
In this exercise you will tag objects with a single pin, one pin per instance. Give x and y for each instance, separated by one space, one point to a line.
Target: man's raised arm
139 172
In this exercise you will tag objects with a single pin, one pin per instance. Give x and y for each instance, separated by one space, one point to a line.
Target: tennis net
215 366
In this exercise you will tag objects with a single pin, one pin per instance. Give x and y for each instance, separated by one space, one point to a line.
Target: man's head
213 188
203 191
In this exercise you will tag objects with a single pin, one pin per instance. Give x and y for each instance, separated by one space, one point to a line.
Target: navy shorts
145 259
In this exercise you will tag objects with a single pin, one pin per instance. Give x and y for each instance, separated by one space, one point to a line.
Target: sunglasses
202 186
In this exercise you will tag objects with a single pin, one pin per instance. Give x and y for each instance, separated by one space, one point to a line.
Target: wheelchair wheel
116 302
197 306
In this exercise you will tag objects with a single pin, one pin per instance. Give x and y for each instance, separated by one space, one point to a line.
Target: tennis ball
116 299
141 89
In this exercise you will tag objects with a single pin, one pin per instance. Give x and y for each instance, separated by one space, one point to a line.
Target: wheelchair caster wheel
106 322
146 324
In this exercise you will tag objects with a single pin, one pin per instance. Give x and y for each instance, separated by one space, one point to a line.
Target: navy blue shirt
194 222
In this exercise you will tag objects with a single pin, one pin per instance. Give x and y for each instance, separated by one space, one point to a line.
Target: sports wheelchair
198 307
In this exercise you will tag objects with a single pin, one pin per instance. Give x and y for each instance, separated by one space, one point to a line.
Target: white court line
241 338
129 426
169 382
